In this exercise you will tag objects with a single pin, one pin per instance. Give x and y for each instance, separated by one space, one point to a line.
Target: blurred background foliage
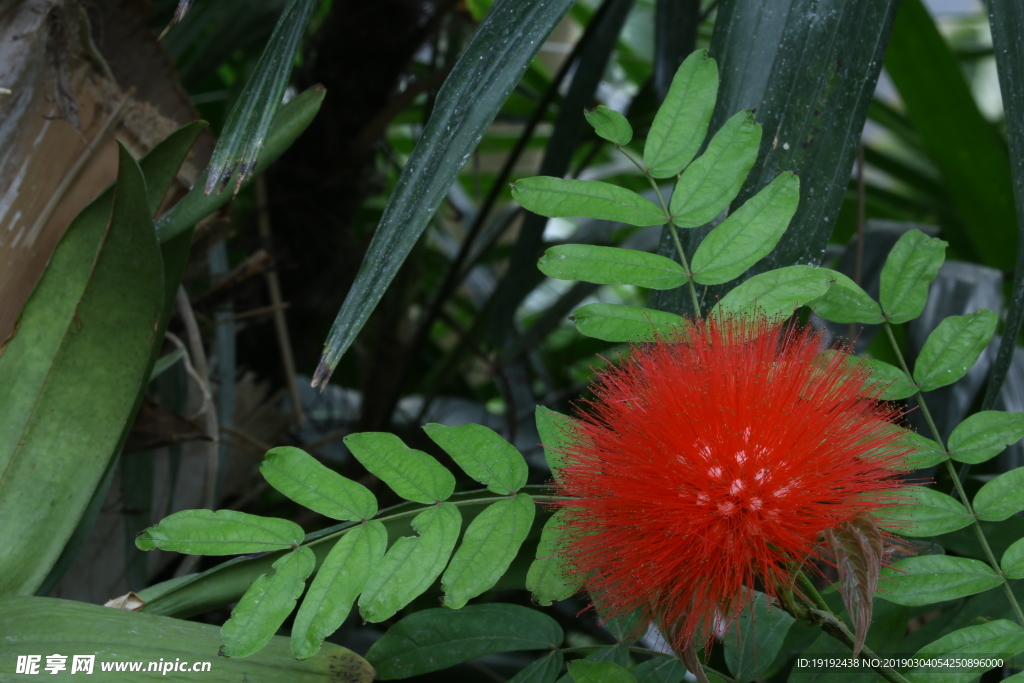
469 331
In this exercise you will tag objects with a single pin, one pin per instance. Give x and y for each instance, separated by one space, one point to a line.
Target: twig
277 301
198 353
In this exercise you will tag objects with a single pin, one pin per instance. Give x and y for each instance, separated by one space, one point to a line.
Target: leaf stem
672 230
975 524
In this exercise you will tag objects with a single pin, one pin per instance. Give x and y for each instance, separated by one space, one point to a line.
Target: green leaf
412 563
248 123
984 435
165 363
1000 639
622 323
291 121
953 348
751 646
221 532
1001 497
70 376
710 183
303 479
811 83
544 670
934 578
556 198
502 47
970 155
1012 563
267 603
483 455
489 545
912 264
412 474
777 292
583 671
552 426
748 234
846 302
610 125
47 625
682 120
897 384
925 512
610 266
926 451
547 578
667 669
435 639
336 586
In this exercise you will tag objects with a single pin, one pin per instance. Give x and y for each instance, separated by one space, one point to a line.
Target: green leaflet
46 625
953 348
908 271
897 384
995 639
556 198
776 293
412 474
221 532
666 669
583 671
748 234
710 183
551 426
1001 497
846 302
302 478
622 323
547 578
483 455
926 452
610 125
926 512
412 563
435 639
934 578
544 670
267 603
610 266
616 654
750 648
682 121
489 545
70 375
984 435
336 586
1013 560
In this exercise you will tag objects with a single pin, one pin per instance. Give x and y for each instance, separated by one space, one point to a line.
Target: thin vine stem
956 481
672 230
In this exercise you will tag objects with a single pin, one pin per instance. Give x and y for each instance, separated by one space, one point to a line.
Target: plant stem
826 616
672 230
956 482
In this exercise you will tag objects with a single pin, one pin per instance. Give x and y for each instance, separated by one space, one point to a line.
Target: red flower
714 462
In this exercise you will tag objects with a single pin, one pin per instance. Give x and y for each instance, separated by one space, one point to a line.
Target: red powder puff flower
714 462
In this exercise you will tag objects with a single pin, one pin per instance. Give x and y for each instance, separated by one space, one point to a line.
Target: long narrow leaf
492 64
1007 20
249 121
